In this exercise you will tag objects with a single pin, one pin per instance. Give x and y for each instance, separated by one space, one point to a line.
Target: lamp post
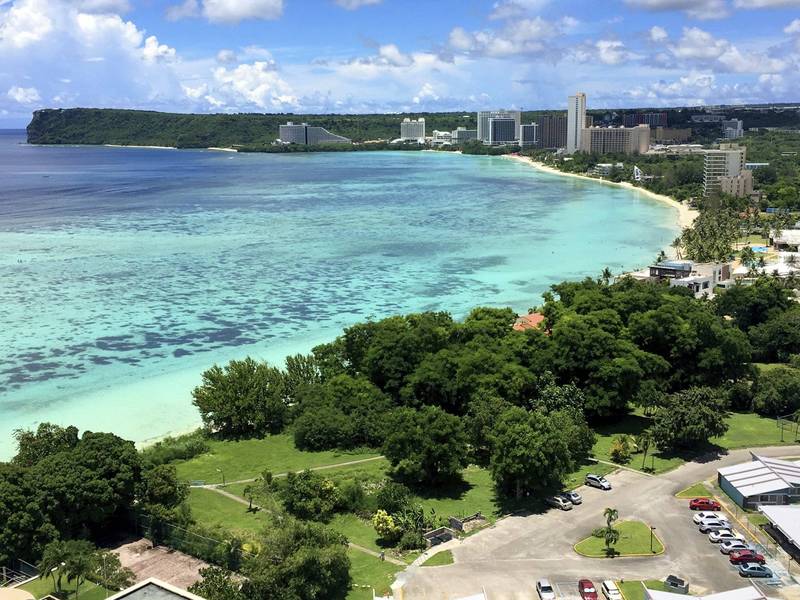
652 529
223 476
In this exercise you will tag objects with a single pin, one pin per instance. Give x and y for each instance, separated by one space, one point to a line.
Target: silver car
733 546
714 525
559 502
545 590
572 496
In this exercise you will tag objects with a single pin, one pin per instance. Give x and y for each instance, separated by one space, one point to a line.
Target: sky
357 56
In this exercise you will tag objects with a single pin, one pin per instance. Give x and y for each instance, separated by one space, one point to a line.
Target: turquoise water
125 272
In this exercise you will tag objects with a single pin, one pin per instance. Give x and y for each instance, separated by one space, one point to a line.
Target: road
507 559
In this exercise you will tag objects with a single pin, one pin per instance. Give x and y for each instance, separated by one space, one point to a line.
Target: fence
752 523
19 571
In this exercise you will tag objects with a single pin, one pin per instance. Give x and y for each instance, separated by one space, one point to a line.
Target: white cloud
697 9
700 48
658 34
512 9
356 4
793 27
255 84
185 10
522 36
229 12
226 56
102 6
766 3
195 93
23 95
425 92
611 52
25 23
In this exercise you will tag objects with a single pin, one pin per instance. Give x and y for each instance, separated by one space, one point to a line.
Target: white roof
788 236
745 593
786 519
762 475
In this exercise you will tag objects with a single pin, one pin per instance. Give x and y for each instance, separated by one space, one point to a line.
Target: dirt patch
168 565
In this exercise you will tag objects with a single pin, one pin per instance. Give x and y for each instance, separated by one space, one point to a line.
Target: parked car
587 590
559 502
713 520
704 504
597 481
713 525
738 557
754 570
707 514
545 590
610 590
724 535
573 497
734 546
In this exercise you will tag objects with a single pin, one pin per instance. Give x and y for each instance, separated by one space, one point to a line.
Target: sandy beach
686 215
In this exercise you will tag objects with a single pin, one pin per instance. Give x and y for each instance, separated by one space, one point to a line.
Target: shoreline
686 215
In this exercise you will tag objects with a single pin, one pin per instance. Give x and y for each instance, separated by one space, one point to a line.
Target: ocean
125 272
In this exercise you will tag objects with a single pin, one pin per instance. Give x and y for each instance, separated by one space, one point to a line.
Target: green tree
54 556
244 398
611 537
109 571
711 236
161 486
690 418
309 495
644 441
48 439
777 392
426 445
385 526
611 515
778 338
217 583
81 562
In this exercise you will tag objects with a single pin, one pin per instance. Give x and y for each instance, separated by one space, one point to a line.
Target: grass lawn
746 430
439 559
89 591
632 424
367 570
356 530
634 540
633 590
246 459
210 508
698 490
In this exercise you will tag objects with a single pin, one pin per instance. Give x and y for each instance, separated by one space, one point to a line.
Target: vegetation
633 540
445 557
698 490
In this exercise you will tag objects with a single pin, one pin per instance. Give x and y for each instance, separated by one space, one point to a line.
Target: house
671 269
762 481
154 589
704 278
529 321
786 239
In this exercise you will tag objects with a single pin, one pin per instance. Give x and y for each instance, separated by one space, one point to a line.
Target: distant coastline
686 215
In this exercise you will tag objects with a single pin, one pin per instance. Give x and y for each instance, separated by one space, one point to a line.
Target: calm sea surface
125 272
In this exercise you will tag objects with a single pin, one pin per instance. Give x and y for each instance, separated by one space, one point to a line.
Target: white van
610 590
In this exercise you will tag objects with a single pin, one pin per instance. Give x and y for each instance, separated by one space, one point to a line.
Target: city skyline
361 56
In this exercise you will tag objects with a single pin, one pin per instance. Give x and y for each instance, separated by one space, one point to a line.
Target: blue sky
393 55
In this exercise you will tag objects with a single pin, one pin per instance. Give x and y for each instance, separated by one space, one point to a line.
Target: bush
777 392
386 527
308 495
322 429
351 496
393 497
740 396
621 449
412 540
170 449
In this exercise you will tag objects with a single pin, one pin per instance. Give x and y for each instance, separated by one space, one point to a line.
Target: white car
713 525
724 535
707 514
559 502
733 546
610 590
545 590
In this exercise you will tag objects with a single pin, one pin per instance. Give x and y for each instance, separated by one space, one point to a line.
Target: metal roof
762 475
744 593
785 519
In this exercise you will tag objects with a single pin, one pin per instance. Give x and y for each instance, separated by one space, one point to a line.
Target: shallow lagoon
124 272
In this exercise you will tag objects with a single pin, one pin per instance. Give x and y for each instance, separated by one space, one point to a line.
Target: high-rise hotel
484 124
576 121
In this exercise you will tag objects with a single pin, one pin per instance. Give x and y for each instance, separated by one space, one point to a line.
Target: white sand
686 215
135 146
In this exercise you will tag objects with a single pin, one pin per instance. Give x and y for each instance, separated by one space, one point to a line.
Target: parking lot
506 560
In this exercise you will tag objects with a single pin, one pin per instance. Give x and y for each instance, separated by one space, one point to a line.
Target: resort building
441 138
604 169
762 481
461 134
670 269
740 186
302 133
484 116
671 135
651 119
503 130
552 131
154 589
728 161
529 135
412 129
615 140
703 278
576 121
732 129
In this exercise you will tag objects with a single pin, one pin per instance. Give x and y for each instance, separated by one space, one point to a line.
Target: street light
223 476
652 529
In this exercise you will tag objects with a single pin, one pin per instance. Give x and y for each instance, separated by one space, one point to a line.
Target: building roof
790 237
744 593
154 589
762 475
785 519
531 321
15 594
676 264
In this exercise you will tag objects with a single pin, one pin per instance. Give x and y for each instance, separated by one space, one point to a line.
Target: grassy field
747 430
367 570
211 508
634 540
439 559
88 591
632 424
633 590
698 490
246 459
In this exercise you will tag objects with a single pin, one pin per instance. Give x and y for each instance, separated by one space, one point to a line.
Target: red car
704 504
587 590
740 557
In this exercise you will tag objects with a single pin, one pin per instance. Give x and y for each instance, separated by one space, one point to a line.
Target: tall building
615 140
411 129
552 131
485 115
740 186
529 135
732 129
302 133
462 134
653 119
576 121
503 130
672 135
727 162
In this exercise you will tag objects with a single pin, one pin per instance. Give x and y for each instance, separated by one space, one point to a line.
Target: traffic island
635 539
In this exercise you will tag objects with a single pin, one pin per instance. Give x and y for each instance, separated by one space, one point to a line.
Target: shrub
412 540
352 496
393 497
777 392
385 526
322 429
740 396
175 448
308 495
621 449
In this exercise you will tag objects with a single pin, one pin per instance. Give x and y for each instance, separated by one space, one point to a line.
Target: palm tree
611 515
611 537
80 563
55 554
606 275
677 243
644 441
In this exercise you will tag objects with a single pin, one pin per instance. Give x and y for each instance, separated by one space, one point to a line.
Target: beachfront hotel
615 140
576 121
412 129
529 135
484 117
552 131
727 162
302 133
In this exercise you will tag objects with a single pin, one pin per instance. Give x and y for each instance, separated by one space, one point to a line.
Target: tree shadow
452 489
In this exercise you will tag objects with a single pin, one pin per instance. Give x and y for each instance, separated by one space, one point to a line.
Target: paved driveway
506 560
